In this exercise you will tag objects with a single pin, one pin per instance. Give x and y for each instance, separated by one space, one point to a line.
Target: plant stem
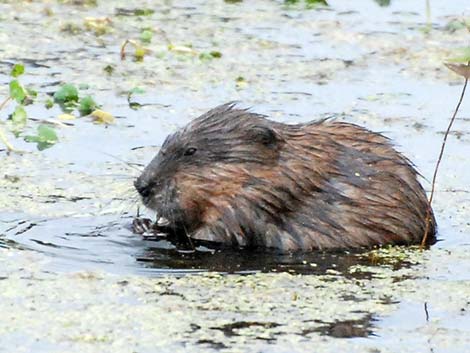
3 138
5 142
431 196
4 102
428 13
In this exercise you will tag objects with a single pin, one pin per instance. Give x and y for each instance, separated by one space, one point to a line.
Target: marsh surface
67 256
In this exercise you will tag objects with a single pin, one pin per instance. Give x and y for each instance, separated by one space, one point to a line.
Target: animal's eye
190 151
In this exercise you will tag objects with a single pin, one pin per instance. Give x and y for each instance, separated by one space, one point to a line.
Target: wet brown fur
253 182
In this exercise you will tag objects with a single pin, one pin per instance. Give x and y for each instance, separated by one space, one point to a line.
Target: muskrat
236 178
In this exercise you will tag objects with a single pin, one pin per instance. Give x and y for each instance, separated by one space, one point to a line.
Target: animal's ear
265 136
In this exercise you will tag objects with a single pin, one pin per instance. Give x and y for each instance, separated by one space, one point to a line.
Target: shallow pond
66 252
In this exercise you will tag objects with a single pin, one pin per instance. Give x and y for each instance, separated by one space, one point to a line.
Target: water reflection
159 256
106 243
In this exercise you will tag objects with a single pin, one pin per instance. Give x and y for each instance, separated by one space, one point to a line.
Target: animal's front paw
142 225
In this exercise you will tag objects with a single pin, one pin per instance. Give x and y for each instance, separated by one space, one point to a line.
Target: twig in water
5 102
3 138
426 311
463 70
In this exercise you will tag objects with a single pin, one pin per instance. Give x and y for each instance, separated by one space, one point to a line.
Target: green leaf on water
45 138
19 116
31 92
17 91
47 134
143 12
109 69
136 90
455 25
135 105
87 105
17 70
383 3
139 53
216 54
317 2
146 36
49 104
67 93
211 55
102 117
240 82
310 4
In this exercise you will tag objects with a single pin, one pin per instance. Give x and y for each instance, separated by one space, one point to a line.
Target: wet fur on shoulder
234 177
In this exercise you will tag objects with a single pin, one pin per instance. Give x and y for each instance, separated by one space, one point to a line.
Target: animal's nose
143 188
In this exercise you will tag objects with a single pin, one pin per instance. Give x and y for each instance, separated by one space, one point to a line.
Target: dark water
111 246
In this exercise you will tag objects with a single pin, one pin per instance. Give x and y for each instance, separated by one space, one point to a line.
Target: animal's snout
143 187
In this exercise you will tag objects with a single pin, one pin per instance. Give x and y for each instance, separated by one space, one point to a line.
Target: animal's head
202 166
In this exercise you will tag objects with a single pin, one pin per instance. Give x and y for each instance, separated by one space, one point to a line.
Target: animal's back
353 189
